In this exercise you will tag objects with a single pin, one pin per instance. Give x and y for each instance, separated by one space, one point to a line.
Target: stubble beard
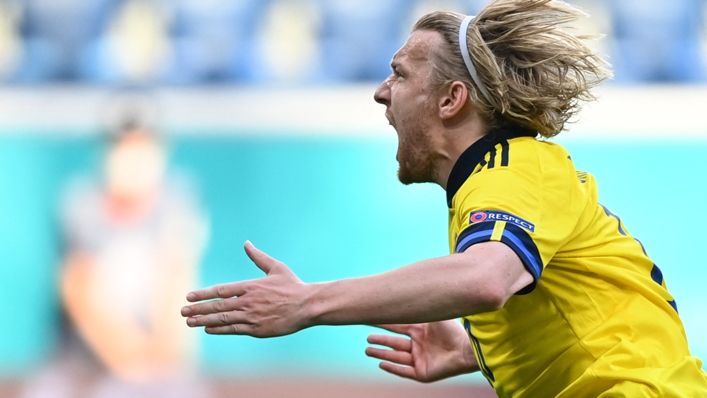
414 159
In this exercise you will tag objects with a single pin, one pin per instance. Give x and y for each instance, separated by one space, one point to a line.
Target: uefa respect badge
481 216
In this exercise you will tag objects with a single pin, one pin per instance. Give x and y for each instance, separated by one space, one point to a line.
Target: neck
455 139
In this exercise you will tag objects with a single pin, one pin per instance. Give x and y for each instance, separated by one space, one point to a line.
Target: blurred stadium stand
192 42
57 37
215 40
658 41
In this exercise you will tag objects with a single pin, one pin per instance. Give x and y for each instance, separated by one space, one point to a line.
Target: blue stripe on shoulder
518 239
657 275
505 149
515 237
492 158
674 305
475 233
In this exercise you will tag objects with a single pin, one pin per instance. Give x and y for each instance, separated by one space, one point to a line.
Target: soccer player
556 298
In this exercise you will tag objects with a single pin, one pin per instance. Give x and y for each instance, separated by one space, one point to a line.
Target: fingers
226 290
396 343
210 307
218 319
240 329
262 260
266 263
400 329
400 352
399 357
398 360
402 371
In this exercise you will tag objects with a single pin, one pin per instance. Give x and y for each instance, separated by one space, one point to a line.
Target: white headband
467 57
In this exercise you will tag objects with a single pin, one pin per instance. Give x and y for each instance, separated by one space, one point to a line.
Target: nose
382 94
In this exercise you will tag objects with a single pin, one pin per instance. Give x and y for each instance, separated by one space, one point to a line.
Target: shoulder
531 151
521 169
525 156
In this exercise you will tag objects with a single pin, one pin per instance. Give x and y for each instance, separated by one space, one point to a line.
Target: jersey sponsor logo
481 216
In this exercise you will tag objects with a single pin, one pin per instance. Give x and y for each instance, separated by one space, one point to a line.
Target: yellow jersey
598 320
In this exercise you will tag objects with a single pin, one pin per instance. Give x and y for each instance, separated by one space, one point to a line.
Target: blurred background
143 141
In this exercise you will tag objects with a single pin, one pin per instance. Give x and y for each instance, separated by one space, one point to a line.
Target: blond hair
536 72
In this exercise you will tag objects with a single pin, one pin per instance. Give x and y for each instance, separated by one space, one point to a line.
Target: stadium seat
214 40
358 38
657 41
56 35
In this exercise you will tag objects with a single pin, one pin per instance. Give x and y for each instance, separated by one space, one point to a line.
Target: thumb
262 260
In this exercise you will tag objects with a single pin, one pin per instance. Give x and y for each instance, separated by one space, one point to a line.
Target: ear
452 100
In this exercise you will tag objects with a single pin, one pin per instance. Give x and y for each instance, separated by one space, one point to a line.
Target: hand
266 307
434 351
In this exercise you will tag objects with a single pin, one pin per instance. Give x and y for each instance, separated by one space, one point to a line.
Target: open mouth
390 121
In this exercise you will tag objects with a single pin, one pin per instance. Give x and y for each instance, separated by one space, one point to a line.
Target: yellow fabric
498 230
599 321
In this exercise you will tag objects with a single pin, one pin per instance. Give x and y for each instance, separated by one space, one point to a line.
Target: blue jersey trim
476 233
492 158
657 275
674 305
475 154
522 244
514 237
477 347
611 214
504 153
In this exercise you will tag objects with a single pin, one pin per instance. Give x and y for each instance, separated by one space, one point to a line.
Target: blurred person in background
133 241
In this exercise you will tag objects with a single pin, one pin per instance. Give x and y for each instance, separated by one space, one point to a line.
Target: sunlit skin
434 126
432 132
406 95
430 351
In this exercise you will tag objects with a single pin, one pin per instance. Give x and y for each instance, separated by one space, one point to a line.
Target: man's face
411 106
135 165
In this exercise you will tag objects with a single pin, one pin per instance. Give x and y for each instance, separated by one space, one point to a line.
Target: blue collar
473 155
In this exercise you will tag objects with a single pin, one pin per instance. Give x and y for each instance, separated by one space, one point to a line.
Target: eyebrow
395 62
396 57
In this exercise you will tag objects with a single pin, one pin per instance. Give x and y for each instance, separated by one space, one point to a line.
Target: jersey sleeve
515 207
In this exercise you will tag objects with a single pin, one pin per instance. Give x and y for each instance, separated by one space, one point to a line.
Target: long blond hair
535 70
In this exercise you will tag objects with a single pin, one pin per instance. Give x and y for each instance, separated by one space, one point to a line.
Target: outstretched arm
479 280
